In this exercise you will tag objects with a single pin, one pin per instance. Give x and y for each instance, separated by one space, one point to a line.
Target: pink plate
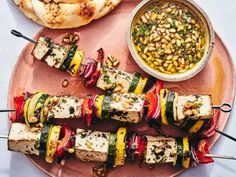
218 79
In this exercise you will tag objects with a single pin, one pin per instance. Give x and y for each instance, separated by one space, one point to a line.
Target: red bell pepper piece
151 99
100 56
87 112
19 107
211 126
141 147
158 86
201 152
65 142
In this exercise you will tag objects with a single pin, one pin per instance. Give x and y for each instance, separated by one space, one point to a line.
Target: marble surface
222 15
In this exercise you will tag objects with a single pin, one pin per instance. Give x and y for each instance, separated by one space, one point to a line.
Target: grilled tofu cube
65 107
91 145
160 150
57 56
21 139
194 107
127 107
110 77
42 48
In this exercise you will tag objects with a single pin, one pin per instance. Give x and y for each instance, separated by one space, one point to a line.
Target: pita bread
65 13
26 7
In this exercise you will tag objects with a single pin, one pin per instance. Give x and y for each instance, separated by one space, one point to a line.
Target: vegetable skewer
36 109
111 147
93 72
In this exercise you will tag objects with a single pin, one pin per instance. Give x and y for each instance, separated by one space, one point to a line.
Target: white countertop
223 17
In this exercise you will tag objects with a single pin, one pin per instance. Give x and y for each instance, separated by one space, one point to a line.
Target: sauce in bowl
169 37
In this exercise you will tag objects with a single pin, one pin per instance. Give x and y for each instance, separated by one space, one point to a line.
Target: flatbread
65 13
26 7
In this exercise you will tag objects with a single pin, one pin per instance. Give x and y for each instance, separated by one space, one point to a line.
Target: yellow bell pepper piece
98 103
185 160
163 97
26 110
52 142
196 127
75 63
140 86
120 146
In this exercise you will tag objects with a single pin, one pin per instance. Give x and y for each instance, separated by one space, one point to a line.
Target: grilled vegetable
26 110
163 97
52 142
186 151
120 146
19 109
44 138
32 106
65 65
98 102
134 82
201 151
170 107
179 155
75 62
112 150
105 107
141 84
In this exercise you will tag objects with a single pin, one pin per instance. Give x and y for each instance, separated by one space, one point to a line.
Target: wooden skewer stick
221 156
19 34
226 135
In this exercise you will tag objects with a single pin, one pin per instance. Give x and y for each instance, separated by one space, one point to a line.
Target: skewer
3 136
221 156
19 34
7 110
224 107
207 155
226 135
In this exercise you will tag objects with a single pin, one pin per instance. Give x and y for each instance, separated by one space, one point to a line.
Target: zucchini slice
26 110
66 64
141 84
112 150
52 142
105 107
186 149
163 96
134 83
43 117
32 105
149 84
75 63
169 106
179 155
44 138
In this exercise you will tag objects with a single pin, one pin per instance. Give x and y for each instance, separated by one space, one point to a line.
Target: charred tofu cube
91 145
110 78
160 150
42 48
64 107
127 107
57 56
194 107
21 139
